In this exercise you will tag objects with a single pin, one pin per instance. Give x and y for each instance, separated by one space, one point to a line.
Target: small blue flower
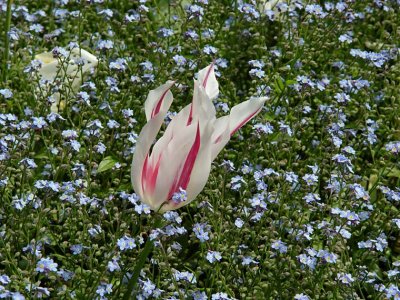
179 60
393 147
308 261
94 231
247 260
65 275
104 289
210 50
301 297
239 223
45 265
220 296
36 28
195 11
120 64
4 279
179 197
38 123
75 145
113 265
310 179
213 256
69 134
236 182
6 93
28 163
257 73
76 249
100 148
105 45
199 296
280 246
201 231
345 278
126 243
165 32
187 276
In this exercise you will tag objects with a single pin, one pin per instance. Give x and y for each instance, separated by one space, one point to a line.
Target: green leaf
124 187
42 155
269 117
279 85
106 164
290 82
394 173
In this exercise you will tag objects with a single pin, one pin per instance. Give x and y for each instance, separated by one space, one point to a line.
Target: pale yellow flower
66 69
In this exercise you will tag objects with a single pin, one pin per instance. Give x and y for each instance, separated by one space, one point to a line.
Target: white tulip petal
50 64
50 69
90 60
143 145
173 161
244 112
209 82
268 5
221 136
155 99
46 57
205 90
202 167
177 123
204 107
199 172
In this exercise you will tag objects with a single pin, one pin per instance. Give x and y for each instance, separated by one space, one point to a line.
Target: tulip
51 69
275 7
180 161
269 4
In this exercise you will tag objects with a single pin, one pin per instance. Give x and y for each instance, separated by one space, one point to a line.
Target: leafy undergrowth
304 201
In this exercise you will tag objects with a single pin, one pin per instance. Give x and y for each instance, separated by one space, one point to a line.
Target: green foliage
311 205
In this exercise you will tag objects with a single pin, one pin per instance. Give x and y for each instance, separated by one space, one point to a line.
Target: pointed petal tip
207 79
155 99
244 112
259 99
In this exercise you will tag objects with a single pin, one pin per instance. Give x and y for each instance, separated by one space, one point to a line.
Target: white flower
69 67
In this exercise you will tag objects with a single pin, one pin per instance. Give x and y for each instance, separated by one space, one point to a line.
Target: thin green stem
148 248
7 41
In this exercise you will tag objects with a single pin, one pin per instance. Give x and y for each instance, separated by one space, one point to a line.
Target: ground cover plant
303 202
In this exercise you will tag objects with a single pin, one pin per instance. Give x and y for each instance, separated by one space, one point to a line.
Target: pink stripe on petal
245 121
218 139
184 178
190 160
208 74
151 178
173 188
190 118
149 175
144 173
157 108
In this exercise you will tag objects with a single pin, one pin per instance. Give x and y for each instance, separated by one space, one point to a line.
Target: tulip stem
148 248
139 265
7 40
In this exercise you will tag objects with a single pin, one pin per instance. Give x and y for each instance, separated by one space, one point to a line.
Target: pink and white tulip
181 159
